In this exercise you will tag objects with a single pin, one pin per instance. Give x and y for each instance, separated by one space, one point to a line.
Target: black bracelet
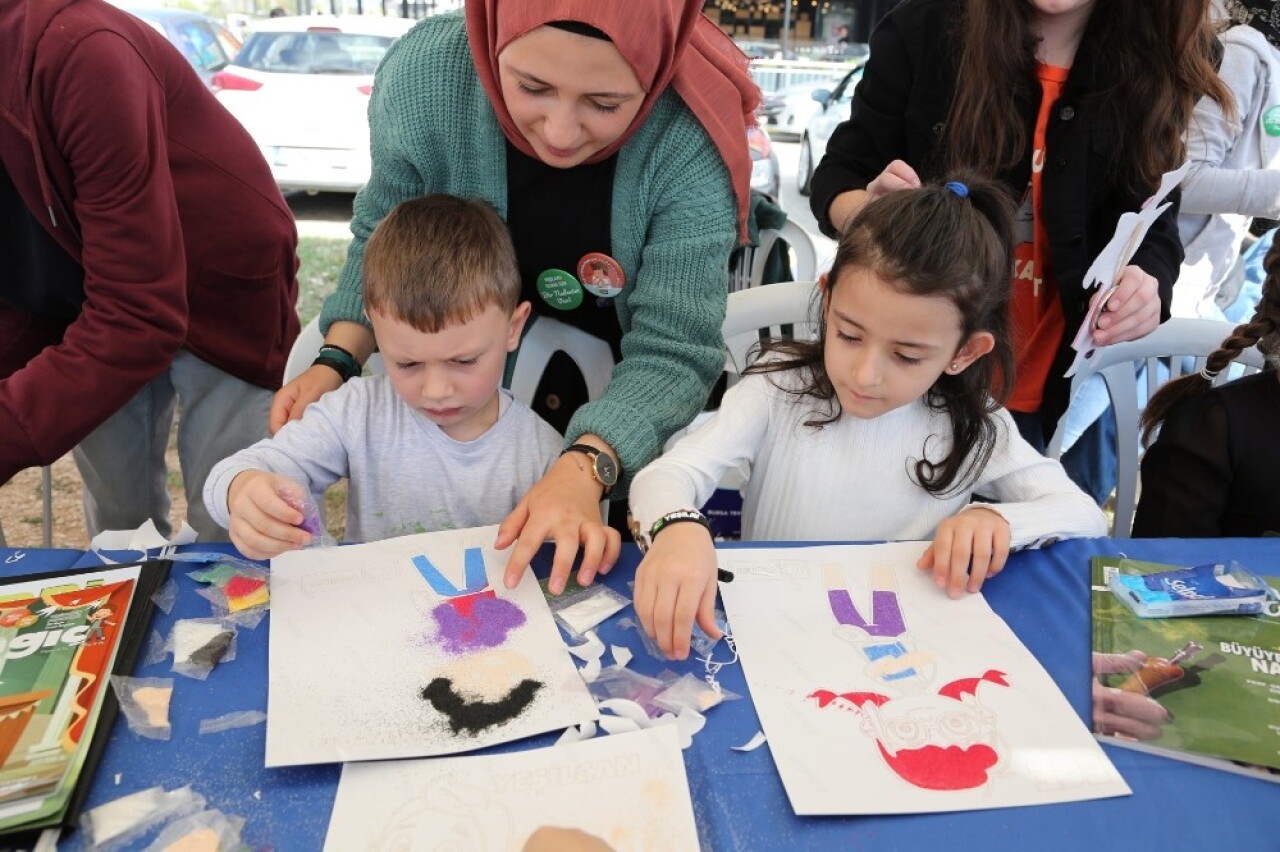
677 517
350 366
344 370
336 348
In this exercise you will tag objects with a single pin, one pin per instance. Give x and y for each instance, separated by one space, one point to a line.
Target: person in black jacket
1078 107
1212 472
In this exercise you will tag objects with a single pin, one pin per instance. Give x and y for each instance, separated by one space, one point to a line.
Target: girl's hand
292 399
897 175
563 506
263 524
675 582
968 547
1132 309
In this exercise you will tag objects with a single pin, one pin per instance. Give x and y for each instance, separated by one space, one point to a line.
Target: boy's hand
675 582
563 506
968 547
263 524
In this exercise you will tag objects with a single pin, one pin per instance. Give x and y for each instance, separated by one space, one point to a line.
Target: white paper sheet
370 659
629 791
930 704
1131 230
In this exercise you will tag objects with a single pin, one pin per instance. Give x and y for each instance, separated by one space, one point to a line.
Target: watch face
606 470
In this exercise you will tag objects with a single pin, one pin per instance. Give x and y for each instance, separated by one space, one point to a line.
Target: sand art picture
411 647
889 697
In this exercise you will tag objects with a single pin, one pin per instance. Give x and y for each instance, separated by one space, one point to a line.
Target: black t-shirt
1213 470
36 274
556 216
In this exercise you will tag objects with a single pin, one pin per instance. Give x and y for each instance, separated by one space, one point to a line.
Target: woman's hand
263 524
1131 310
564 506
968 547
675 582
292 399
897 175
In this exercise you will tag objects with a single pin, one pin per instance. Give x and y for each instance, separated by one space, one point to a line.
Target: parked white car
301 87
833 108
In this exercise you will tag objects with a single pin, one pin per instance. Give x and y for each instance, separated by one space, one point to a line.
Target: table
738 797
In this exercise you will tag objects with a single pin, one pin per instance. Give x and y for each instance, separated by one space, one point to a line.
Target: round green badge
1271 121
559 289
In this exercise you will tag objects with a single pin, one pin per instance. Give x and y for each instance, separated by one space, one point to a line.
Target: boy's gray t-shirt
406 475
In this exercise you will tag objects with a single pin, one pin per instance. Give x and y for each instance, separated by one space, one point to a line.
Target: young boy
434 444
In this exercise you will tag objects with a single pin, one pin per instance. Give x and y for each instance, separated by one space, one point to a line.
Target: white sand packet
114 824
145 703
211 830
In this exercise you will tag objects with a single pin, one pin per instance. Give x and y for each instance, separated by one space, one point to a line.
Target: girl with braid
1213 469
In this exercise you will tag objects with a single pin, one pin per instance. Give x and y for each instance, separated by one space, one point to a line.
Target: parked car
833 108
766 175
300 86
204 41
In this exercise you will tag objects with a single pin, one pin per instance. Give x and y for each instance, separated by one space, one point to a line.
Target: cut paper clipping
886 696
411 647
629 792
1105 270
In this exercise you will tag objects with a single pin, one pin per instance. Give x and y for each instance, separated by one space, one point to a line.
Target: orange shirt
1035 313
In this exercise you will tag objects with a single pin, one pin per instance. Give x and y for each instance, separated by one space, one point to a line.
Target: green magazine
1205 689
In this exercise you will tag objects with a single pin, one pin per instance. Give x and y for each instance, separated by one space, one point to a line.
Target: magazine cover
1204 689
60 636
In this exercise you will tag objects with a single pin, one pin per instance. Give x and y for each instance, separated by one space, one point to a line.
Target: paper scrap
144 538
621 655
1106 268
238 719
751 744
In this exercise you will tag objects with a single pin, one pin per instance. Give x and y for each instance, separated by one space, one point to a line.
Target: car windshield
323 52
201 46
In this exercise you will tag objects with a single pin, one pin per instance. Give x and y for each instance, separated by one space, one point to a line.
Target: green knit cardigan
673 226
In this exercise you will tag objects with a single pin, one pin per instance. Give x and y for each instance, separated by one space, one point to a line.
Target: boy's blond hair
440 260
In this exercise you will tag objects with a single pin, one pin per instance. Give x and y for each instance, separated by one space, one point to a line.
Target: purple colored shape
885 613
490 621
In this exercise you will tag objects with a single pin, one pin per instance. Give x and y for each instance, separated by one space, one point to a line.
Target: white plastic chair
307 347
545 337
749 270
1167 349
767 308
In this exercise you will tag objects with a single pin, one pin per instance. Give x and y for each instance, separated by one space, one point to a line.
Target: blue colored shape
476 578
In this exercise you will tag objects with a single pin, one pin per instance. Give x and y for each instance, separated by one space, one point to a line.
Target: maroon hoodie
128 161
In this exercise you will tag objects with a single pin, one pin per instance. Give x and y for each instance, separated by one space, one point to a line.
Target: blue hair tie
958 188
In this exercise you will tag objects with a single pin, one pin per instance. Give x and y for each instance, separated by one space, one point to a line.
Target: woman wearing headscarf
610 131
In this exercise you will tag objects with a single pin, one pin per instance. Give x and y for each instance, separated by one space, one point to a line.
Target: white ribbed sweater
851 479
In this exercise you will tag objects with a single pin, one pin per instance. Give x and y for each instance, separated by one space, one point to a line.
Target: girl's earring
955 367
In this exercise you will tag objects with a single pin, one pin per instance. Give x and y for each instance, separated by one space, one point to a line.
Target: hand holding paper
1126 290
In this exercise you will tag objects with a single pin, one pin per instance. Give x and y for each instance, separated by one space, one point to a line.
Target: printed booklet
61 637
1205 689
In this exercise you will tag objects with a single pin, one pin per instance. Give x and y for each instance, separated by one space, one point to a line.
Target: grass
321 260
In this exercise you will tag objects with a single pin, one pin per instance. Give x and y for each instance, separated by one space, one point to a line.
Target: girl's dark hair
930 242
1156 58
1263 331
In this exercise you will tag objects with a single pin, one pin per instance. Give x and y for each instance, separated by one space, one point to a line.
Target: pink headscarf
666 42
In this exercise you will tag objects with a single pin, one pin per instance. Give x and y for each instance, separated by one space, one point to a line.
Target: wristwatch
603 468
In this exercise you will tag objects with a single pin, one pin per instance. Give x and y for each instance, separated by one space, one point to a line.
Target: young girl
883 428
1213 470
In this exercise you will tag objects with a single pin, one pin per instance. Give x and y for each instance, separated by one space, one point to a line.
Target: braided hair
1263 331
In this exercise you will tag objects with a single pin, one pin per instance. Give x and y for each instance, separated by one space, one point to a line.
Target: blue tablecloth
738 797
